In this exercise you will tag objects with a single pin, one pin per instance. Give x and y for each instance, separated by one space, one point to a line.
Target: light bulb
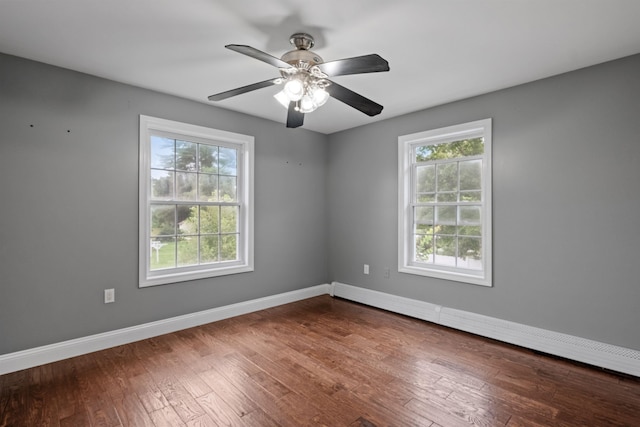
294 89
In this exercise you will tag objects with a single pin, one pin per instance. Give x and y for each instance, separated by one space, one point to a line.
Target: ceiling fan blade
244 89
259 55
354 100
294 117
360 64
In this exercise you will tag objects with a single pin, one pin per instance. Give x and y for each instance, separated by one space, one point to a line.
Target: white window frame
245 163
406 200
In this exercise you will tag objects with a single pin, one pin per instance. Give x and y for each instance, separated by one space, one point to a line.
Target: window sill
447 275
164 279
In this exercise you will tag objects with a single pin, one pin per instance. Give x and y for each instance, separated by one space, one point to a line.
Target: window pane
445 250
426 198
470 230
446 229
161 184
186 184
228 160
209 219
447 197
469 215
424 153
450 150
229 249
209 250
163 253
423 215
188 220
229 219
208 160
163 220
187 251
471 175
446 215
186 155
447 177
162 152
228 188
423 229
471 196
208 188
426 179
183 213
469 253
423 251
469 147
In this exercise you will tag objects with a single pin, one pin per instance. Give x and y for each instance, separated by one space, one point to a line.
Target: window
444 219
196 202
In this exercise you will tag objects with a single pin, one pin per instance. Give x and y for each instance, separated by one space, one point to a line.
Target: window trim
195 133
405 202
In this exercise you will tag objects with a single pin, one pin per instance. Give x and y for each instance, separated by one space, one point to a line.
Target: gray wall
566 183
69 207
566 205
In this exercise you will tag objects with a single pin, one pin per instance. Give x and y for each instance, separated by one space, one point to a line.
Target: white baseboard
50 353
594 353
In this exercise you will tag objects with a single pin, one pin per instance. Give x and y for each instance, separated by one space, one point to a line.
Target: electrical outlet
366 269
387 272
109 295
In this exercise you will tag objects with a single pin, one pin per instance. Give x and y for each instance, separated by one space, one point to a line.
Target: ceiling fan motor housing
302 57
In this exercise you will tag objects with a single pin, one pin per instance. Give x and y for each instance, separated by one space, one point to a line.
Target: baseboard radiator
591 352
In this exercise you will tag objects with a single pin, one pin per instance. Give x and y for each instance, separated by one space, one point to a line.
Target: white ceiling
438 50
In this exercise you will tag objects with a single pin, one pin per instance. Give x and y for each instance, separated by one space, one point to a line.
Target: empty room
289 213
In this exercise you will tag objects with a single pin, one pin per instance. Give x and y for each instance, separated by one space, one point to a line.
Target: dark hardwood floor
321 361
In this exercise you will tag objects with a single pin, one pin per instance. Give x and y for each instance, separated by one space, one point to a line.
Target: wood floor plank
383 404
68 397
148 393
14 398
438 414
218 410
43 409
246 397
258 418
166 416
131 412
231 391
320 361
179 398
520 404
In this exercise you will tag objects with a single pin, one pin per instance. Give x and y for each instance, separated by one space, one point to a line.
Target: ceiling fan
305 79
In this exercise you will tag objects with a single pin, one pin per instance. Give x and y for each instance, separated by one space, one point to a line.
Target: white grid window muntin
444 225
196 202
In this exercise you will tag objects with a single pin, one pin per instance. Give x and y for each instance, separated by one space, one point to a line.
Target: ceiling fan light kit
305 79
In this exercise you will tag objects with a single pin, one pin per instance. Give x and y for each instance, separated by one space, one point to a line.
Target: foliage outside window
445 203
196 213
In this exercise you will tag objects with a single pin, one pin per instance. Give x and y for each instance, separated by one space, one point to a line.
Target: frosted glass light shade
306 104
282 98
320 96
